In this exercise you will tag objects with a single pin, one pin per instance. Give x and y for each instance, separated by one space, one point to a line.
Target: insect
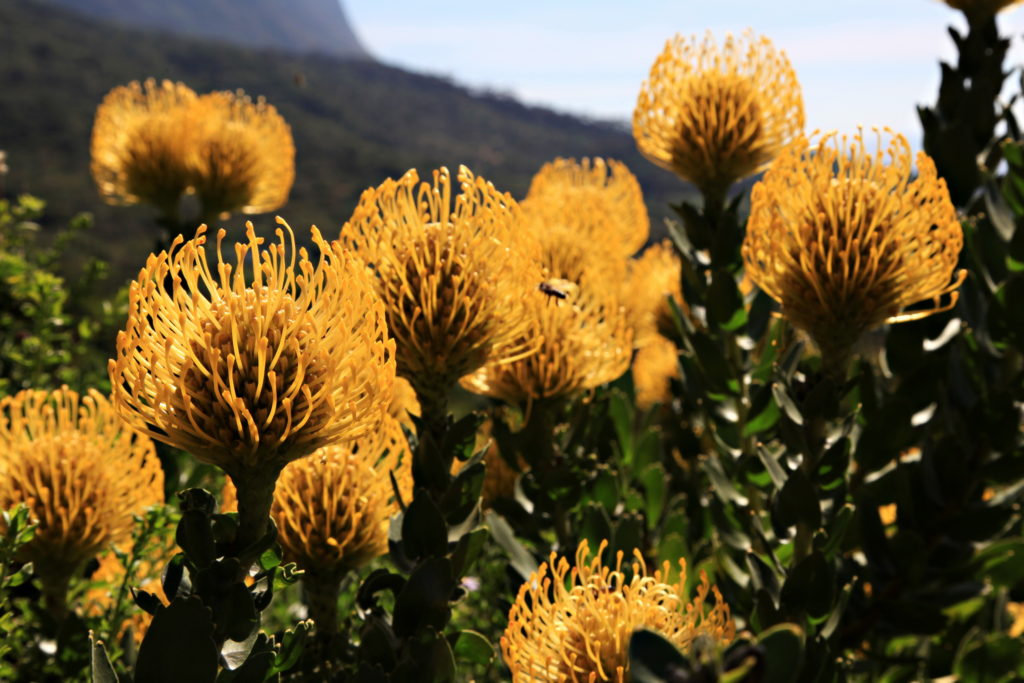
558 288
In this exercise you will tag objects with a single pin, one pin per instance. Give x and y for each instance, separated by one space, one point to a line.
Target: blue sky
859 61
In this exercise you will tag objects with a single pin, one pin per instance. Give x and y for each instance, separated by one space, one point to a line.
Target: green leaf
785 401
102 669
463 494
798 502
179 645
424 600
474 648
783 653
771 464
519 557
653 659
292 644
424 532
724 304
764 412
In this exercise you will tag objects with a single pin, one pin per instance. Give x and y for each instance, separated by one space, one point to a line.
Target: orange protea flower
599 202
655 365
575 625
715 115
585 341
654 277
451 281
845 238
251 370
404 404
244 159
141 142
153 143
82 474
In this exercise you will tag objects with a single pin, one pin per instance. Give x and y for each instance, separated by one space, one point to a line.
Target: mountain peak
299 26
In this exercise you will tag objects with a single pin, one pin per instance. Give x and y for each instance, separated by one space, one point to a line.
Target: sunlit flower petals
598 201
654 277
574 623
714 115
252 367
141 141
81 472
245 158
655 365
452 272
585 341
845 238
333 508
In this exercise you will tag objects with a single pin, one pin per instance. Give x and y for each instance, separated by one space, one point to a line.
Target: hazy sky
859 61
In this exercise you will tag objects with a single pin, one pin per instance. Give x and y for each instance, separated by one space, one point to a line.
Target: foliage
52 331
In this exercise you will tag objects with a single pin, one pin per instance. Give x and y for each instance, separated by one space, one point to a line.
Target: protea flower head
142 141
155 142
332 508
714 115
245 158
452 277
573 624
654 277
845 238
249 368
598 201
655 365
81 472
585 341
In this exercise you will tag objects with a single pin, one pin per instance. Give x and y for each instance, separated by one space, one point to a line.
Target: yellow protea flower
404 404
249 369
845 238
654 277
141 144
155 142
332 509
82 474
245 157
585 341
453 279
575 624
655 365
714 115
599 202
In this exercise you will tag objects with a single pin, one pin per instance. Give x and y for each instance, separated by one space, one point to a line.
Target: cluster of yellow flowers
154 142
281 369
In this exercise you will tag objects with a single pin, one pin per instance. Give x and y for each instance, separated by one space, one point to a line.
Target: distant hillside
355 123
299 26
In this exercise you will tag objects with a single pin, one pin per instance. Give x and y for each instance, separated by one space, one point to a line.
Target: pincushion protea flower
654 277
333 508
154 142
845 239
575 624
82 474
251 370
142 142
585 341
453 278
599 201
715 115
655 365
244 159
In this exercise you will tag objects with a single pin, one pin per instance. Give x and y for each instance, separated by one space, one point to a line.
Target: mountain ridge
308 26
